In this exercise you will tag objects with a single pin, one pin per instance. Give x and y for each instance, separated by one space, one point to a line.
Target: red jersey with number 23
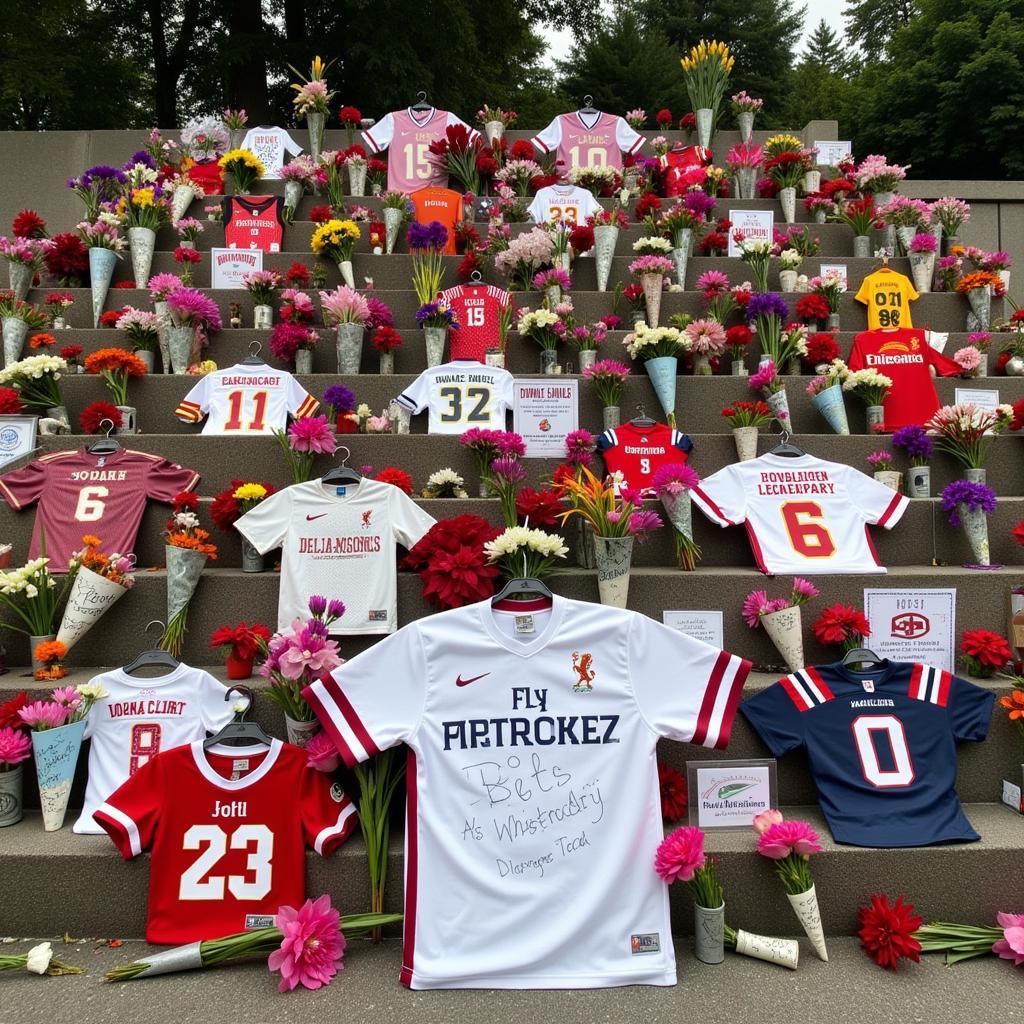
478 309
228 828
639 452
254 222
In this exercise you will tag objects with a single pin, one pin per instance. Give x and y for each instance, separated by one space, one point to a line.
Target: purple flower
317 627
339 398
509 469
427 236
140 156
698 203
914 441
641 522
335 609
971 496
317 605
380 314
579 447
766 304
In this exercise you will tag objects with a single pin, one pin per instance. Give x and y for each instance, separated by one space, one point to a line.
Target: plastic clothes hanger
588 107
238 728
861 656
108 444
155 656
521 586
343 474
785 448
641 419
254 358
421 103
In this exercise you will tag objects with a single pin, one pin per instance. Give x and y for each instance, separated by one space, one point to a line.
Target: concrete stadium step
94 903
699 400
227 595
923 534
937 310
223 459
369 989
981 766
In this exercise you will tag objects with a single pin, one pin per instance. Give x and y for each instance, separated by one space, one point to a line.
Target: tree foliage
871 24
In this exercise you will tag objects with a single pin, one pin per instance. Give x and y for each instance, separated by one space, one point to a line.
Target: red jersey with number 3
639 452
904 356
254 222
228 828
803 515
478 309
79 493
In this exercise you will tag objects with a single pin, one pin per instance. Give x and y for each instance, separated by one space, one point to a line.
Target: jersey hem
663 978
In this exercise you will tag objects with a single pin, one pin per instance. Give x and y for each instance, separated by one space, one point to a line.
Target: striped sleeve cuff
894 513
331 837
9 497
538 144
370 140
636 145
709 508
120 827
721 699
340 721
308 407
189 412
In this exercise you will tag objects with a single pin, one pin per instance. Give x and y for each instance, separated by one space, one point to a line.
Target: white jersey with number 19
533 804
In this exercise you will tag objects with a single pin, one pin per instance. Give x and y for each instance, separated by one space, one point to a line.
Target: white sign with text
913 625
544 412
229 266
754 225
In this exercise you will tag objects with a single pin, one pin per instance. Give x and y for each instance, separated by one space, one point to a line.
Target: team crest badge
581 665
367 516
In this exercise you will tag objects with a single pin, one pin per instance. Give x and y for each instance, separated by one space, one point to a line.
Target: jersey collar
881 673
208 773
425 119
538 643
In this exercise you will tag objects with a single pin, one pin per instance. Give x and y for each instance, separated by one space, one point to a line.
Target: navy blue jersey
881 746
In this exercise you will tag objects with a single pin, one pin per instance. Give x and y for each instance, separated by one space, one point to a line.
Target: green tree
762 35
623 66
870 24
821 86
825 51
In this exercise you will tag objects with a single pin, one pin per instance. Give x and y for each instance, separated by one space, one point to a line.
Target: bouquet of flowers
875 174
964 431
707 339
826 390
233 502
297 307
451 561
968 504
115 366
841 624
706 70
96 581
597 180
426 243
519 175
262 285
858 214
608 378
302 442
813 308
457 153
916 443
522 551
37 381
781 618
830 286
950 214
525 253
652 345
489 445
96 186
757 254
871 387
141 328
652 272
334 240
767 312
312 96
672 484
30 594
984 653
187 548
445 483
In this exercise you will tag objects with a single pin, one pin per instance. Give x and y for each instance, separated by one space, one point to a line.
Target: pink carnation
786 837
1011 945
15 746
680 854
765 820
312 434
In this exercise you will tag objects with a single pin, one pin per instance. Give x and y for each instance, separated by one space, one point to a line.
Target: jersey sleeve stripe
797 694
9 497
894 513
709 508
329 838
368 136
323 703
121 829
538 144
192 482
916 674
727 703
406 402
945 681
636 145
411 869
188 411
710 696
817 685
308 407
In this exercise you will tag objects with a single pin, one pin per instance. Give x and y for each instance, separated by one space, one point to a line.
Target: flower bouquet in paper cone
790 844
187 548
659 348
969 504
781 619
672 484
98 580
745 418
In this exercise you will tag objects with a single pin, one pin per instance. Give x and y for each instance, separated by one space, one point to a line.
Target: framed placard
229 266
703 625
913 625
830 152
17 437
545 411
980 398
730 794
838 268
755 225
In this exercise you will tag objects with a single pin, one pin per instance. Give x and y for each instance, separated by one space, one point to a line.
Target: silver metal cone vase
350 348
184 567
976 528
20 278
392 224
141 242
605 238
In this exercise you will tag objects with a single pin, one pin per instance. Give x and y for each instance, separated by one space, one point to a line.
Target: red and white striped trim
411 869
340 721
636 145
368 137
721 698
894 513
121 828
333 835
9 497
806 689
709 508
930 685
189 412
308 407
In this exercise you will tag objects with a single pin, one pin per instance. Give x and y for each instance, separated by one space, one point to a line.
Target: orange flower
196 543
50 673
115 360
1014 704
42 340
50 650
979 279
91 541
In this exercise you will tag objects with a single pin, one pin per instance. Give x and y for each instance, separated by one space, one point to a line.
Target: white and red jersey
677 163
245 399
477 308
566 204
253 222
803 515
80 492
460 394
338 539
639 452
533 799
228 828
407 135
270 144
904 356
588 140
141 717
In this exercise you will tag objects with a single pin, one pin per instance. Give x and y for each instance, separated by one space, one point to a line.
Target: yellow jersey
887 295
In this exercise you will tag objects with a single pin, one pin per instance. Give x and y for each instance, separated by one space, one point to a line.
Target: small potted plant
745 418
239 645
881 463
871 387
919 447
385 340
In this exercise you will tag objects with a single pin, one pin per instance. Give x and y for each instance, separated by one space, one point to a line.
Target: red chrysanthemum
298 275
581 238
95 413
522 149
1018 415
739 336
350 116
451 562
840 623
663 117
110 318
812 307
67 258
225 510
540 507
984 651
647 204
9 717
396 476
10 402
185 501
821 348
485 163
887 931
28 224
674 797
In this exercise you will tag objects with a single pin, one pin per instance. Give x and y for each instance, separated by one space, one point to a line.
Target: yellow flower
317 69
142 196
250 492
244 156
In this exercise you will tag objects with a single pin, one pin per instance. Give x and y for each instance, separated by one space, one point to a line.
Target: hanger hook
588 100
255 348
476 277
245 691
156 622
110 425
346 456
421 97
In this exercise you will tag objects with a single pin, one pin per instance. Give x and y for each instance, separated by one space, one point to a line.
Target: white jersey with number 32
460 395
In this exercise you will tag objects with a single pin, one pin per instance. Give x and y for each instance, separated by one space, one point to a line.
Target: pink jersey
407 135
477 307
595 141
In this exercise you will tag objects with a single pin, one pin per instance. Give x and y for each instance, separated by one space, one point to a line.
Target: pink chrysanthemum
43 714
804 588
674 479
786 837
680 854
15 746
312 434
312 948
754 606
508 442
642 522
191 306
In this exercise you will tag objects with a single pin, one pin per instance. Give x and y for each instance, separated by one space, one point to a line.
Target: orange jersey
441 204
887 295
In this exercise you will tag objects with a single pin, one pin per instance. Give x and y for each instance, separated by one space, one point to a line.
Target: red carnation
320 214
95 413
821 348
836 188
887 931
1018 415
739 336
611 321
485 163
767 188
350 116
663 117
1018 532
386 338
841 624
688 122
984 652
581 238
354 150
28 224
184 254
470 262
398 477
674 797
185 501
67 259
225 509
243 639
110 318
298 275
10 402
70 353
522 149
812 307
713 242
648 203
451 562
541 508
9 717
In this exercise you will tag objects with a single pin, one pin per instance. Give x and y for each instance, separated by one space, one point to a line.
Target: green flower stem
795 872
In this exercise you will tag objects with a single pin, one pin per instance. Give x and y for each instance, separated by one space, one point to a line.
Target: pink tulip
765 820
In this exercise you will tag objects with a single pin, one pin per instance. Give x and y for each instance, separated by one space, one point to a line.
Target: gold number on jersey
810 539
417 161
596 157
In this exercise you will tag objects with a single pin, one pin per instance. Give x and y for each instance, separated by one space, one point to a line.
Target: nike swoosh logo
310 518
459 681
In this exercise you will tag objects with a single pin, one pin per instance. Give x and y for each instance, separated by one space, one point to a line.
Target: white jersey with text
243 400
270 144
563 204
139 718
803 515
338 540
533 808
460 395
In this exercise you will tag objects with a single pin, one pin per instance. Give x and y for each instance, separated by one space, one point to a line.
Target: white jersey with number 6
460 395
139 718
